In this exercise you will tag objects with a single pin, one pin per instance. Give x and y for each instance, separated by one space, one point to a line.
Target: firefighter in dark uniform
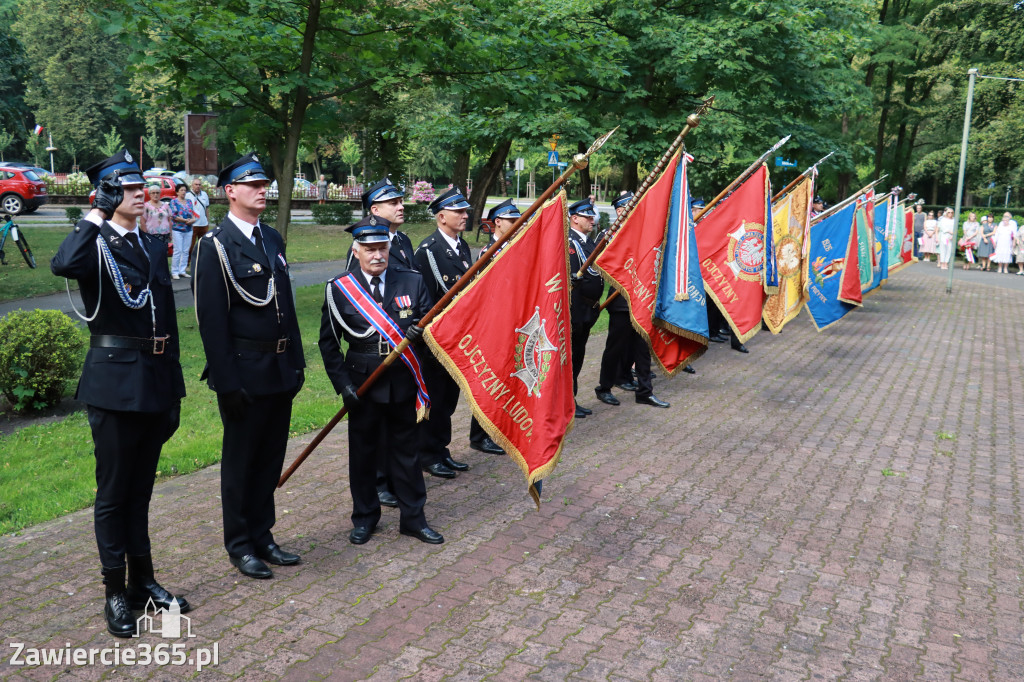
382 426
384 200
131 382
503 216
442 258
254 362
584 302
624 348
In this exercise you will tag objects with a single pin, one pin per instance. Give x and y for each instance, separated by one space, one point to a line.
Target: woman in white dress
1002 239
947 233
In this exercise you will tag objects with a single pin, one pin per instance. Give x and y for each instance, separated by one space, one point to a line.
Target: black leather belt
593 303
380 348
278 346
154 346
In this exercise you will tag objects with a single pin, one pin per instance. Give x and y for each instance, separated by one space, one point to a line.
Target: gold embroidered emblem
257 268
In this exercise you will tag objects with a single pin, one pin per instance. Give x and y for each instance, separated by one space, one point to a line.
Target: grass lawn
306 243
47 470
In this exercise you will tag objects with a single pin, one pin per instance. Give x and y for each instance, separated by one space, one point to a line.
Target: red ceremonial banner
632 261
849 284
731 244
505 340
907 250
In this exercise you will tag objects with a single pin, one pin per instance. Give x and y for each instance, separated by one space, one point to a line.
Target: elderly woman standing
947 233
1002 239
972 235
985 247
156 216
182 217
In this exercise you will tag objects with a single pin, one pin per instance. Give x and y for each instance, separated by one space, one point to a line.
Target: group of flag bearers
508 333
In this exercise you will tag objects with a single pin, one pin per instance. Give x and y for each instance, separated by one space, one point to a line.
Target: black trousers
127 448
624 349
476 432
251 460
578 339
393 425
435 434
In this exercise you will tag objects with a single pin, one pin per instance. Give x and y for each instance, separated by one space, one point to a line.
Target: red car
21 190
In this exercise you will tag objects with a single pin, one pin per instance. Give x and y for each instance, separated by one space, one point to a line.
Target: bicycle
18 235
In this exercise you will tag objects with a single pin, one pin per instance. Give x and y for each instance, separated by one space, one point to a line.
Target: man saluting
373 307
131 383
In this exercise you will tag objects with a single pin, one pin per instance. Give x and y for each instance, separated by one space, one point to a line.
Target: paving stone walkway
842 505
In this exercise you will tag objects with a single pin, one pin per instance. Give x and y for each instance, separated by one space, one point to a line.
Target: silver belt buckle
159 344
383 348
282 345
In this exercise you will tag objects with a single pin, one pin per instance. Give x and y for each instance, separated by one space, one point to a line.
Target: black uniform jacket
583 304
440 265
397 383
401 254
224 316
126 379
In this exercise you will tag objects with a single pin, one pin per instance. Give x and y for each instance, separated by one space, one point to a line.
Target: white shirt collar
367 276
246 228
583 237
454 243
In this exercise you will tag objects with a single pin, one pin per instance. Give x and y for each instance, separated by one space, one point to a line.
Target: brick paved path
835 505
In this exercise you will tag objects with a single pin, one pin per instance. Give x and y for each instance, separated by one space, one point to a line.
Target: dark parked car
21 190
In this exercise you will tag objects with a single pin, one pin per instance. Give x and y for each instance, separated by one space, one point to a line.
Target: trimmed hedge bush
73 214
418 213
40 355
339 213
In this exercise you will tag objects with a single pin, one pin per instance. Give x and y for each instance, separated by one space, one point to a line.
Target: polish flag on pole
38 130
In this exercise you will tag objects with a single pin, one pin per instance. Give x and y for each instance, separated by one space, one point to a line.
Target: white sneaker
185 274
175 277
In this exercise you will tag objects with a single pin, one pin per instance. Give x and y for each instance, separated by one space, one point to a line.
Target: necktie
257 239
376 290
138 253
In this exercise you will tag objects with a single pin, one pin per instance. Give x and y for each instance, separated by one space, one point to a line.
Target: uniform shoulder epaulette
404 270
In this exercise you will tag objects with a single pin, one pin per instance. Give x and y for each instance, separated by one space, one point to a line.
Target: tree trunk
285 179
584 173
460 170
630 180
882 120
485 178
843 179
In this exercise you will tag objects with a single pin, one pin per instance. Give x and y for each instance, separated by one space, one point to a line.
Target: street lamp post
971 74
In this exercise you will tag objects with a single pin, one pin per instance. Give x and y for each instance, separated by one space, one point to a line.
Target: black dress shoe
143 587
584 410
652 401
580 414
453 465
387 498
273 554
718 338
439 470
489 446
360 535
606 397
628 386
120 619
689 369
251 566
740 348
425 534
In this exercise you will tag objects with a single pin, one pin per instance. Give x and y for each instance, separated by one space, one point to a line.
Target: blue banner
829 240
681 304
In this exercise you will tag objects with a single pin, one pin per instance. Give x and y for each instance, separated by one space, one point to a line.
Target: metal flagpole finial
580 160
780 143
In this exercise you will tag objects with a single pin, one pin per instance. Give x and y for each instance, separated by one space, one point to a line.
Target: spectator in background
156 216
321 189
929 237
182 218
947 234
985 247
969 242
919 218
1018 241
200 202
1003 238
